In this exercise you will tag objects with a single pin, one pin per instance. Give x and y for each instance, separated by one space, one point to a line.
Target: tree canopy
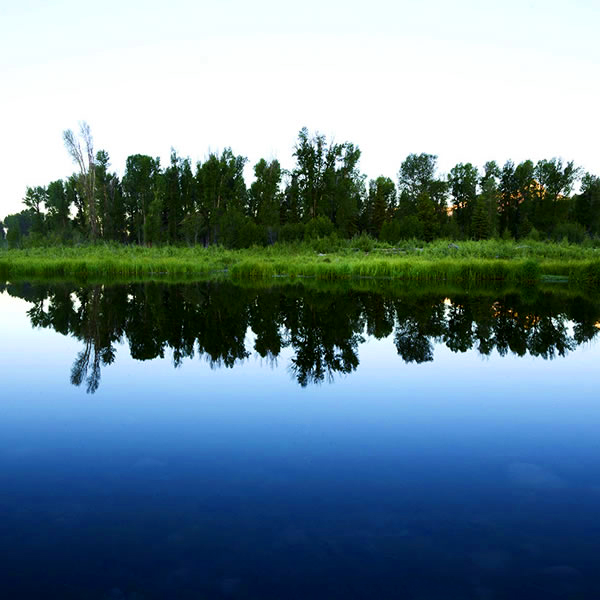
323 193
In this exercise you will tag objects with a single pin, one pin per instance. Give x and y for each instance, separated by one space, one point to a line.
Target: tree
19 225
345 188
549 200
34 199
481 223
264 195
328 180
75 198
489 199
379 205
587 204
140 187
109 200
59 208
84 158
290 211
517 186
173 200
309 172
463 180
221 189
422 193
191 223
152 223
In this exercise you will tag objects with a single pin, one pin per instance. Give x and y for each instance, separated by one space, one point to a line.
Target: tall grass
437 261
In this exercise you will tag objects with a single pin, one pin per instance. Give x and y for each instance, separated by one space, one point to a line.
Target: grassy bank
438 261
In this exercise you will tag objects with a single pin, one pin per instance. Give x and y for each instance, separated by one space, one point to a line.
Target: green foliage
323 194
379 205
587 204
140 187
292 232
327 181
318 228
152 224
264 197
572 232
462 181
471 261
363 242
391 232
529 271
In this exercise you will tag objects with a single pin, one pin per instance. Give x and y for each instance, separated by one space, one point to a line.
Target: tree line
324 194
323 328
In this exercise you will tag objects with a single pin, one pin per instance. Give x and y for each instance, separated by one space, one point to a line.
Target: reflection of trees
323 329
420 319
325 333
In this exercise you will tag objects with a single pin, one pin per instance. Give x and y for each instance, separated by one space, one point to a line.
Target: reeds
435 262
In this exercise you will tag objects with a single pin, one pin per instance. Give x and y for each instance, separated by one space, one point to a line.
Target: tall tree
517 186
109 200
140 188
173 200
485 213
34 199
310 154
264 195
191 224
329 182
379 205
222 190
587 204
84 158
463 180
59 207
422 192
549 199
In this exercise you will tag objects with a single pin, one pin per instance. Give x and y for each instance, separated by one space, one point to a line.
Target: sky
468 80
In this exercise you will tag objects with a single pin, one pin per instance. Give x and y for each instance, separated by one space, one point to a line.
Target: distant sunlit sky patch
467 80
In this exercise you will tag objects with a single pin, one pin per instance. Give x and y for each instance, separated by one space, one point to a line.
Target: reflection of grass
436 262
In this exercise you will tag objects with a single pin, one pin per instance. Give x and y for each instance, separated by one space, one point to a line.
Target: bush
237 231
251 234
363 242
399 229
572 232
291 232
327 244
529 271
390 232
318 228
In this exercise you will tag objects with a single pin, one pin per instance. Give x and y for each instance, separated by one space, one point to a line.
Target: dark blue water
444 464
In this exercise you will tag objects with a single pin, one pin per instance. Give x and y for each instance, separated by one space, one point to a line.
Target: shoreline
465 262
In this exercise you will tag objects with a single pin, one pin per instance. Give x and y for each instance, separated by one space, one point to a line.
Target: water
210 441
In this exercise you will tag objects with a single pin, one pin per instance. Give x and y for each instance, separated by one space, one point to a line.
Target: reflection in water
456 480
324 328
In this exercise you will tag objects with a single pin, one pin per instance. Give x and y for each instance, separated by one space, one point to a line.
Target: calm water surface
212 441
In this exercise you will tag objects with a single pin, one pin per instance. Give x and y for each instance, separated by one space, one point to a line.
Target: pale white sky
467 80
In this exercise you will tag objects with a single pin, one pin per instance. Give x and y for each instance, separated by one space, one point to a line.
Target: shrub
318 228
572 232
363 242
529 271
534 235
291 232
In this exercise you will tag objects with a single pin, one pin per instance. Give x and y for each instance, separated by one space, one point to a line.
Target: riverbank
439 261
